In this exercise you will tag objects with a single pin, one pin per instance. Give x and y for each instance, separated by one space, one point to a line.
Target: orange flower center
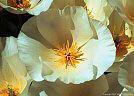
19 3
69 55
9 90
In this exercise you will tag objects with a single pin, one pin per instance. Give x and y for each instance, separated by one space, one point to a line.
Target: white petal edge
42 6
28 53
10 47
82 31
83 71
106 52
10 54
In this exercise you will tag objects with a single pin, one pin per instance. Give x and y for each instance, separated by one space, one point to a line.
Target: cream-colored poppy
99 10
34 7
71 54
13 75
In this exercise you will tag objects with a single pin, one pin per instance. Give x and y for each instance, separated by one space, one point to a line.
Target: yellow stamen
9 90
69 55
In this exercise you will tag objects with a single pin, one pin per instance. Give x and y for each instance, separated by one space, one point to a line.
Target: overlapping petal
10 76
125 76
99 10
59 88
57 30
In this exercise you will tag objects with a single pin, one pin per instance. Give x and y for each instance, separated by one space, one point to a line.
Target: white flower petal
82 31
42 6
105 51
83 71
29 53
11 77
10 54
54 27
96 7
93 55
11 46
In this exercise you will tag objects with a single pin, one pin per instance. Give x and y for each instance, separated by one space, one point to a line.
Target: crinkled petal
94 59
105 52
34 33
83 71
82 32
11 77
100 10
29 53
11 46
10 54
55 27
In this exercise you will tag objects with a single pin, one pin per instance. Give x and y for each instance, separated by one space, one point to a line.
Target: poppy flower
66 49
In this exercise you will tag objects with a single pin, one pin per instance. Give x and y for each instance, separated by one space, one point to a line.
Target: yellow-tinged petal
99 10
38 57
82 31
